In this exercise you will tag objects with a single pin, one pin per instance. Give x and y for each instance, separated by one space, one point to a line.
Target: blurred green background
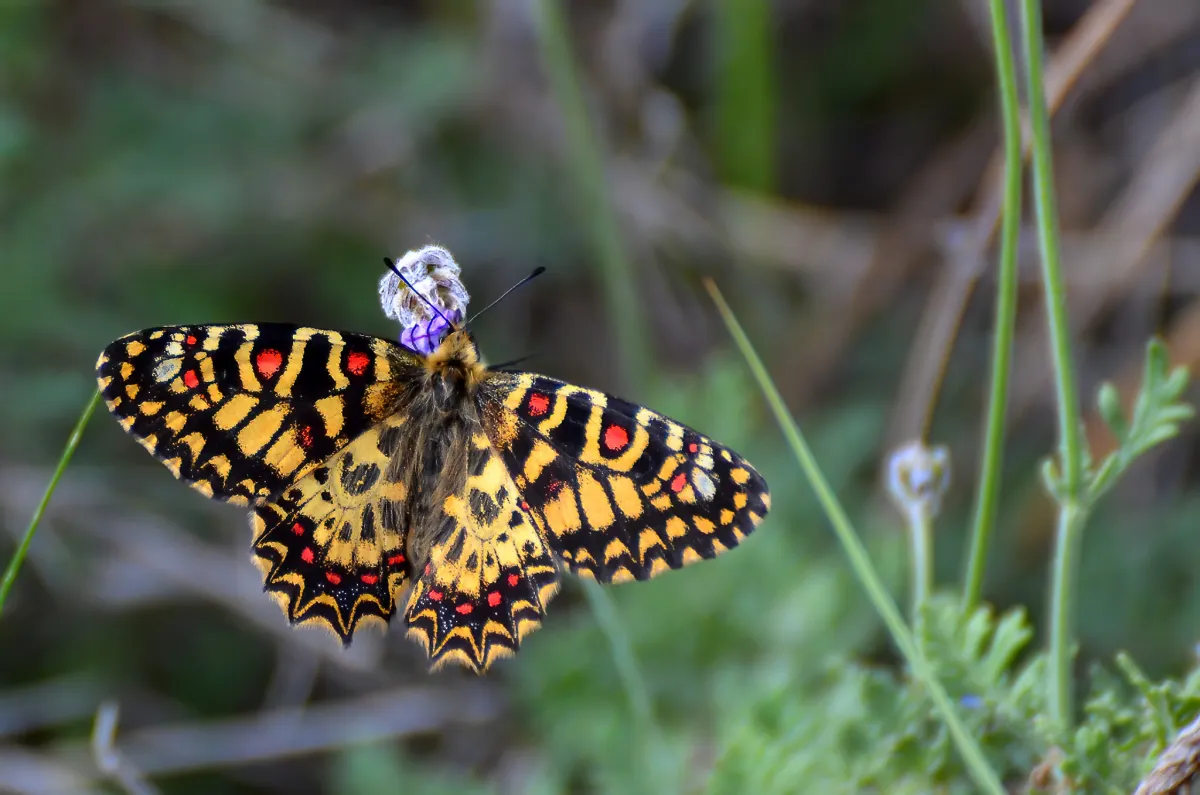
179 161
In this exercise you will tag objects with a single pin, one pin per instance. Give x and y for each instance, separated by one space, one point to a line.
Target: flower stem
1047 228
18 558
1062 588
920 536
1006 309
1070 486
977 765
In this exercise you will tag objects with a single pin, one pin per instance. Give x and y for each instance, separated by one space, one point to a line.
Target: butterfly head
454 369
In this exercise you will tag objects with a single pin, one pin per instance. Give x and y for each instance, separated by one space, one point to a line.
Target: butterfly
378 475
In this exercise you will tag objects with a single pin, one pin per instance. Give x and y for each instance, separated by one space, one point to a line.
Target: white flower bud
918 476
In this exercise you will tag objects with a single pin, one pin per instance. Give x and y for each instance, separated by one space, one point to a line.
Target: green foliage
858 728
1077 486
852 728
1157 413
1127 723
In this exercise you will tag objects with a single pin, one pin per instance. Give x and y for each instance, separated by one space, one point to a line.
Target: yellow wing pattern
332 547
620 492
239 412
488 578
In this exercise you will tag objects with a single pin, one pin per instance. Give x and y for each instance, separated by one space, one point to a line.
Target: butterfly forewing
239 412
619 491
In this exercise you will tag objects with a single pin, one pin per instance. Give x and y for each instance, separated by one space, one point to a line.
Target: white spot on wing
703 484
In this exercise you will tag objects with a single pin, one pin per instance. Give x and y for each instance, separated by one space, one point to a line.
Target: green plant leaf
1109 402
1157 415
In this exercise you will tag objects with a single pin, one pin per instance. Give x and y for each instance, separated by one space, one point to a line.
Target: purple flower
424 336
431 277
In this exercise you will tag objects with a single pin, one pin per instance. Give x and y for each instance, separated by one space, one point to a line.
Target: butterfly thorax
431 458
454 371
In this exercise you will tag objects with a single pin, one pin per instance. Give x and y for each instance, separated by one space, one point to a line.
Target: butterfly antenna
391 263
538 271
511 362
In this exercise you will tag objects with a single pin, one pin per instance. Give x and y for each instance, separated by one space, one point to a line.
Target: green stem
18 558
1069 489
1071 452
920 535
744 95
587 169
860 561
1068 545
622 651
986 507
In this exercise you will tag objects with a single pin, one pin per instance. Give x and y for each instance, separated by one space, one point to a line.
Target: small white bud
918 476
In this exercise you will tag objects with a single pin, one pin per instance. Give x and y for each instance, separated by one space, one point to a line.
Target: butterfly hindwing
238 412
620 492
332 546
488 576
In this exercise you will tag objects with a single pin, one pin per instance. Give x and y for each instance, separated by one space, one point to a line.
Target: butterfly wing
332 546
488 575
239 412
620 492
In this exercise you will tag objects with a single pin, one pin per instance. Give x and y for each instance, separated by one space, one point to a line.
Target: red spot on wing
191 379
678 482
539 404
191 339
298 529
436 595
333 577
370 579
307 555
494 598
268 362
306 436
615 437
465 608
554 488
693 447
427 567
395 560
357 362
513 580
524 505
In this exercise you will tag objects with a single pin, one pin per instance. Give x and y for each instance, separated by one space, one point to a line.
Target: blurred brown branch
271 734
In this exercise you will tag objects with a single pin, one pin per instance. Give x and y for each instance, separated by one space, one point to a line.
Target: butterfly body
380 479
